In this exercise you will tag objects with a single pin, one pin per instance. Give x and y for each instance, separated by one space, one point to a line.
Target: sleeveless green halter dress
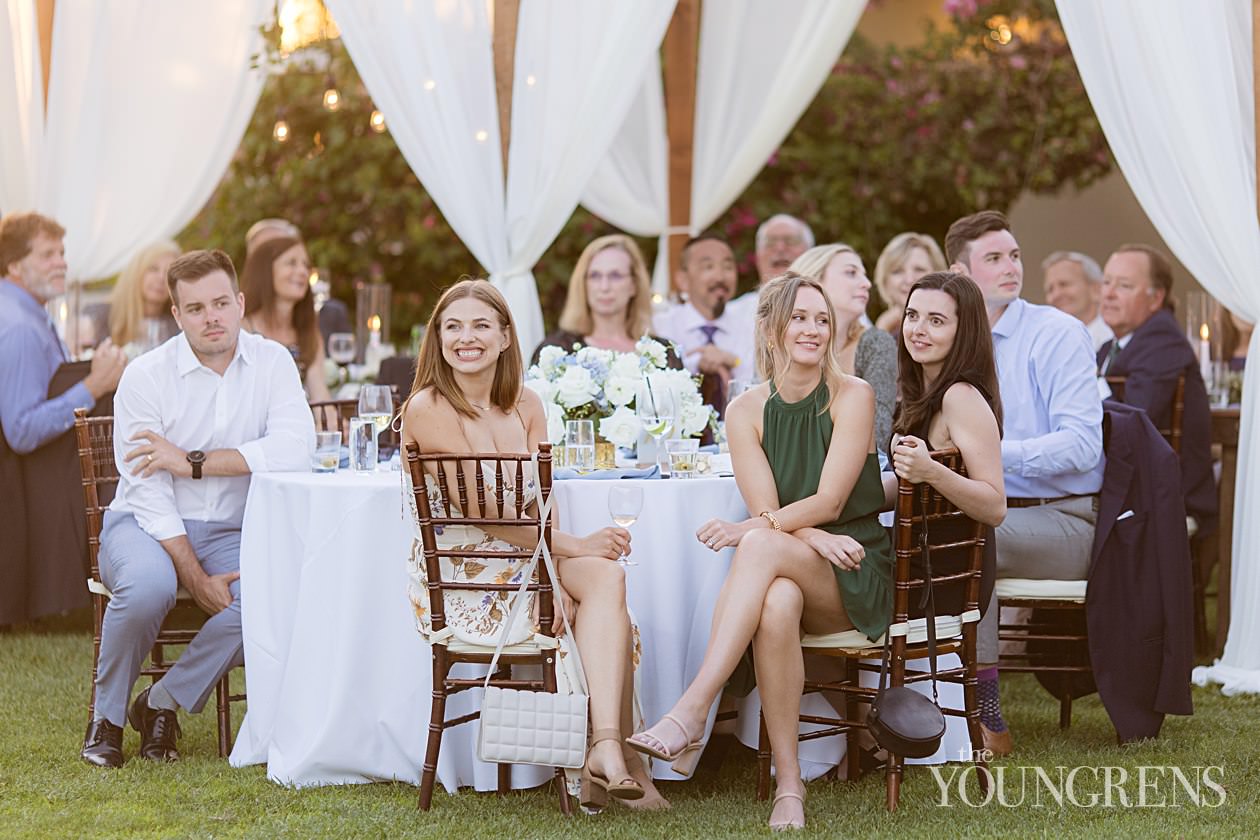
795 437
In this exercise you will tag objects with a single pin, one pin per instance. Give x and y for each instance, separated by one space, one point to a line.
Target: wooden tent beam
44 10
681 49
506 13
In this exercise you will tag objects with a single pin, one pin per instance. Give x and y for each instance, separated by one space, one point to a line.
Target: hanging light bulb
280 131
377 121
332 96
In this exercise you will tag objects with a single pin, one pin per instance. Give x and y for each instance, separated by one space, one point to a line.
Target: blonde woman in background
609 304
865 352
140 305
906 258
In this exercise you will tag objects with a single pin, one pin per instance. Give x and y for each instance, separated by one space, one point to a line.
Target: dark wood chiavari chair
99 472
956 543
461 482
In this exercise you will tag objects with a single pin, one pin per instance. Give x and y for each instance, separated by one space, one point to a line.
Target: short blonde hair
813 264
895 254
126 301
576 315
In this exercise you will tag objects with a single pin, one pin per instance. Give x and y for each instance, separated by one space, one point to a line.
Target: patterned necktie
711 390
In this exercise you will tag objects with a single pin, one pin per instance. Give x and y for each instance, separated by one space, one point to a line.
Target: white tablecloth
338 678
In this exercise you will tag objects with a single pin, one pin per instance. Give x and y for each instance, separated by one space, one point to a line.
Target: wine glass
376 403
657 410
341 350
625 503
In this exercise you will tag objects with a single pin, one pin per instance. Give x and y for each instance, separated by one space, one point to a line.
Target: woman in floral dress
468 397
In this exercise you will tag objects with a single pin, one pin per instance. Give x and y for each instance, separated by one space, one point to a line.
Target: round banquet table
339 680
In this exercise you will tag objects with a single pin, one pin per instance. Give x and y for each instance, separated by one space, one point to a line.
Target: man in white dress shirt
1073 284
712 340
192 420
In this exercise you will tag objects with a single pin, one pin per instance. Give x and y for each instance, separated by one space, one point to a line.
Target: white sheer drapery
429 66
1172 85
147 103
760 65
21 86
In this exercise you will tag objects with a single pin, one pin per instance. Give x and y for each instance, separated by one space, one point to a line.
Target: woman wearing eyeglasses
610 300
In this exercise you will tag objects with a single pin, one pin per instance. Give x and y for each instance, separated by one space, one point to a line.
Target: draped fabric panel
147 103
21 93
430 68
761 63
1172 85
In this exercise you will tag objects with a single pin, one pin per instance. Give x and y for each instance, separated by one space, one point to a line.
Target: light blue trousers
141 578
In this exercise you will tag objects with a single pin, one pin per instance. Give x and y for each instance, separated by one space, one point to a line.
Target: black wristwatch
196 457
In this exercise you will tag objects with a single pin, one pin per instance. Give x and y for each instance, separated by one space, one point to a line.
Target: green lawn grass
47 792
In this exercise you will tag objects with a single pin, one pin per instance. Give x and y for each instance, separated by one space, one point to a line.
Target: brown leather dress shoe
999 744
103 744
158 728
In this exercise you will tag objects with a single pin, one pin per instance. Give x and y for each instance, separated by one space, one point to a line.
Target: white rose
693 418
604 357
620 390
681 384
555 424
654 350
576 387
625 366
622 427
548 357
544 389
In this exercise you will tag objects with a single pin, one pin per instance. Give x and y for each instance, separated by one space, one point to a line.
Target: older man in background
1073 284
1150 351
41 573
780 240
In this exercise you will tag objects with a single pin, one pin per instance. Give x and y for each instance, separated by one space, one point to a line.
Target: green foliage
911 138
899 138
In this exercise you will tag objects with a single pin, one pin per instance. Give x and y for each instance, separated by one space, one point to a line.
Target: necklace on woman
482 407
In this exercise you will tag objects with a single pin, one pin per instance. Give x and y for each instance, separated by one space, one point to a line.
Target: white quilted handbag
533 727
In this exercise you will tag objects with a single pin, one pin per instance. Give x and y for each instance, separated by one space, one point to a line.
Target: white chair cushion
915 631
1050 590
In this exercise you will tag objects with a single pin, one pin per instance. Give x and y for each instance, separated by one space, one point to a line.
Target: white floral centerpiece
588 383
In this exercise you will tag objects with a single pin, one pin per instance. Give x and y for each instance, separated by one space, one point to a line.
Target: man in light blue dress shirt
1051 433
32 272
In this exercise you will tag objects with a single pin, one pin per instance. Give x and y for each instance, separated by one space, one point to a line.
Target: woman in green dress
814 558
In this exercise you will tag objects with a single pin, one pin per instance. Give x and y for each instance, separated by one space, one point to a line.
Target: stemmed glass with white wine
625 503
376 403
657 410
341 350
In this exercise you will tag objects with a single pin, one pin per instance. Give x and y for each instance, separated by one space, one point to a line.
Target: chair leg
504 785
892 782
853 750
562 785
1065 704
223 711
763 760
1198 578
437 720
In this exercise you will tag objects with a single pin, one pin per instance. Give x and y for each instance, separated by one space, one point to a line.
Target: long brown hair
970 359
126 302
258 284
432 369
576 315
774 313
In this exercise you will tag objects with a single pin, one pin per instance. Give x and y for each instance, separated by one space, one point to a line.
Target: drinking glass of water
376 403
625 503
657 410
341 350
579 444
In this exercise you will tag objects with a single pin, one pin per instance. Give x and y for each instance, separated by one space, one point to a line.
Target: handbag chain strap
527 573
927 602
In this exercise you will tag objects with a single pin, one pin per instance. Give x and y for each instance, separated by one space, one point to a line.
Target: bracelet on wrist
772 519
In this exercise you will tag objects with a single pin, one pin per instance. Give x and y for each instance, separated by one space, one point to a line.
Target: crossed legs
777 586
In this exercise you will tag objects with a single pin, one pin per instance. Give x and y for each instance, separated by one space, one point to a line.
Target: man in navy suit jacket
1150 350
